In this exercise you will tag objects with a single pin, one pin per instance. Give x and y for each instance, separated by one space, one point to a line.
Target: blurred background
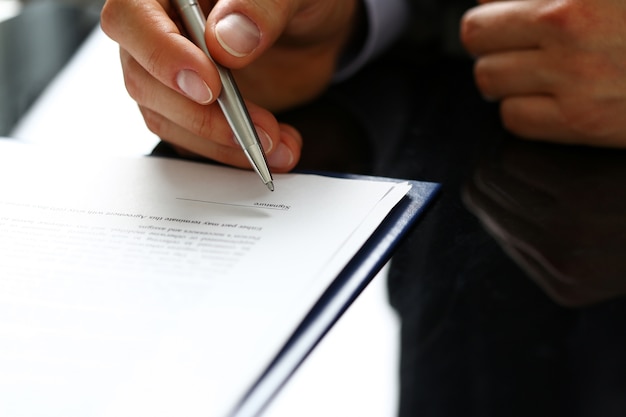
37 38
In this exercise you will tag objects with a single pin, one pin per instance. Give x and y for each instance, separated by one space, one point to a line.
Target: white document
157 287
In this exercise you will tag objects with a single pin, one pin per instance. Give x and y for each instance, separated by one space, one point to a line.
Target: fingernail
281 157
194 87
266 140
237 34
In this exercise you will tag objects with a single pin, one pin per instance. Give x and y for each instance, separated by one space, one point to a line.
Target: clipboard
354 278
330 298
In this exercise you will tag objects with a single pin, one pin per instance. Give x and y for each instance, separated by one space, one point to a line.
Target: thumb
239 31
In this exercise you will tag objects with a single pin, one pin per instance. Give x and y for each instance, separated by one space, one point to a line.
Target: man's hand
557 66
282 52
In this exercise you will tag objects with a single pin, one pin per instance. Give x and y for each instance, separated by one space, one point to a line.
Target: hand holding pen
282 54
230 99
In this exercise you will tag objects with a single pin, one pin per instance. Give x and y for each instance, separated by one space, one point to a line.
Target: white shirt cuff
386 19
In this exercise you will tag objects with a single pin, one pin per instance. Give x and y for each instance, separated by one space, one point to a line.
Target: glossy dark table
510 289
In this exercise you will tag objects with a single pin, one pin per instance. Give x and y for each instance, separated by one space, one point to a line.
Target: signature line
232 204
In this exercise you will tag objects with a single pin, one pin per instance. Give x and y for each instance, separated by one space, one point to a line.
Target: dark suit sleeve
437 22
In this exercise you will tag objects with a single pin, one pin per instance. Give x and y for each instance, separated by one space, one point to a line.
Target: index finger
497 26
146 30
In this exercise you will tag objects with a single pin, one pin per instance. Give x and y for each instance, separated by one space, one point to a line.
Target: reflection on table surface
511 289
560 212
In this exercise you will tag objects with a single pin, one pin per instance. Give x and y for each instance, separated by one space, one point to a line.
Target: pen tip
270 185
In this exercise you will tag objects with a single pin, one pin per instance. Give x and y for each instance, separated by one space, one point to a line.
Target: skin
558 67
288 57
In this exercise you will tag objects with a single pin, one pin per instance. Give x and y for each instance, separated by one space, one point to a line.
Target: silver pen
230 99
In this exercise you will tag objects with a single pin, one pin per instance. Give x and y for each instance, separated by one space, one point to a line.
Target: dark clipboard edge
353 279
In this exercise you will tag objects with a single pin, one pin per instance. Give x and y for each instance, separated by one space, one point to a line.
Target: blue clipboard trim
353 279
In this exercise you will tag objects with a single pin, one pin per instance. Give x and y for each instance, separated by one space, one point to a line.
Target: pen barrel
230 99
194 22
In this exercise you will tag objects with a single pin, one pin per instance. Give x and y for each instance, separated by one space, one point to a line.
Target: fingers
547 118
499 26
150 93
537 117
282 155
146 30
540 81
204 129
173 81
239 31
514 73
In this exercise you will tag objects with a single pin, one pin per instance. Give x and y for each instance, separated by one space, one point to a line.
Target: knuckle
154 60
272 9
108 16
566 17
112 16
154 122
586 121
202 122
